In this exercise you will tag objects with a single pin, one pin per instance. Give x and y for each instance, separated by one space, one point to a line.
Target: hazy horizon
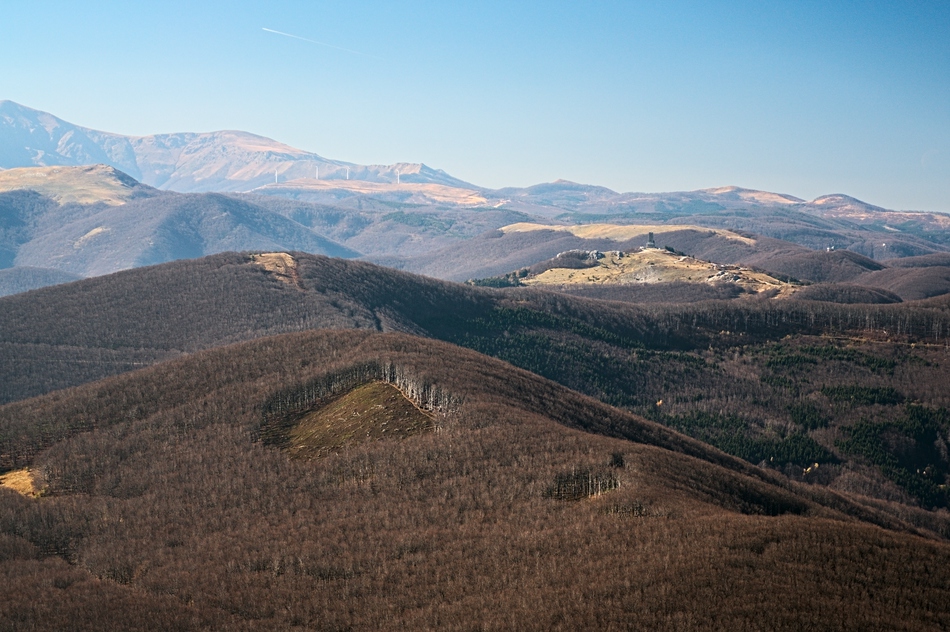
802 99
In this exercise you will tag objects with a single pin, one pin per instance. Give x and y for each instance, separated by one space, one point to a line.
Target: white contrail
347 50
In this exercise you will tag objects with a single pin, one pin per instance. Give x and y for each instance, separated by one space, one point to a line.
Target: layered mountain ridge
226 160
127 210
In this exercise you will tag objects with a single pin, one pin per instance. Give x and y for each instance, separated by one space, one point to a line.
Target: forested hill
73 333
168 501
249 383
69 334
859 390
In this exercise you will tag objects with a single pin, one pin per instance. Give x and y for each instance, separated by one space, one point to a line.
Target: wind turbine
277 171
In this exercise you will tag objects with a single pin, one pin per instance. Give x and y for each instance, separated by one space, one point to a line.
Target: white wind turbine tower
277 171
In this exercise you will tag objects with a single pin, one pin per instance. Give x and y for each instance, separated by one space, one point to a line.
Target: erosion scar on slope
281 265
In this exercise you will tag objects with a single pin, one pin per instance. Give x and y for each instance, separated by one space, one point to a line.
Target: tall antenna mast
316 172
397 176
347 173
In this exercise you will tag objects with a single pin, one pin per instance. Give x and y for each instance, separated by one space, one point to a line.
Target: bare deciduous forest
163 508
359 480
742 377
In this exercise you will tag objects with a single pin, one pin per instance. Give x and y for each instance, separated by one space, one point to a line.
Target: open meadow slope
78 185
171 497
526 244
651 266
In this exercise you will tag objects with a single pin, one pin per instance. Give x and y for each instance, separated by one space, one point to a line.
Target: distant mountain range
83 202
236 161
185 162
60 223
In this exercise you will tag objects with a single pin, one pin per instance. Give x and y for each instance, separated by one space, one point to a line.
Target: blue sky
799 97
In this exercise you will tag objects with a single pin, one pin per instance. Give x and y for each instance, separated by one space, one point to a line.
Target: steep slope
89 221
23 214
911 284
176 503
846 293
194 304
31 138
925 261
388 231
81 331
835 266
164 229
185 162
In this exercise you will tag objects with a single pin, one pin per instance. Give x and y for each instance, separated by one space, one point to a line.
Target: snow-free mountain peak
221 161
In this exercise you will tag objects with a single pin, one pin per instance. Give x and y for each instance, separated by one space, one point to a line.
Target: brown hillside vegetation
24 279
842 276
846 293
785 384
525 244
910 284
166 510
923 261
63 336
835 266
